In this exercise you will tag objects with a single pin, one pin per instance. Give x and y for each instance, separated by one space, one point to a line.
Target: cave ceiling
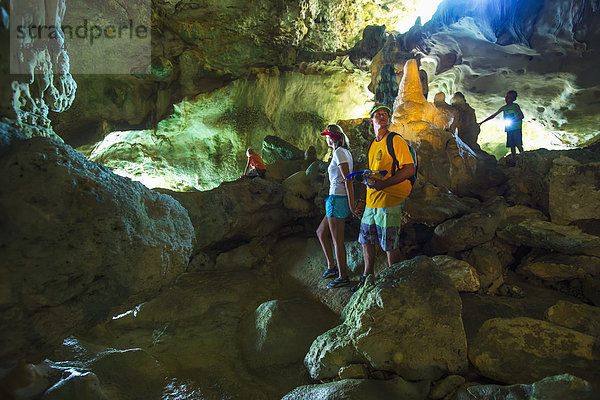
223 75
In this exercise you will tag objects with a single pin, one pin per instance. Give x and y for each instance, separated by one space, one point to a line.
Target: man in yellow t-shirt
382 218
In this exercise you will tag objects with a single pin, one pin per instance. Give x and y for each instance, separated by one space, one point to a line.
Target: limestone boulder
307 265
486 262
560 267
361 389
280 332
565 386
446 386
470 230
570 197
407 321
550 236
300 191
524 350
529 183
463 275
519 213
130 372
77 385
430 205
580 317
79 244
241 210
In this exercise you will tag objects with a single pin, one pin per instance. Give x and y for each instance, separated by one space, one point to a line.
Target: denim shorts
337 206
381 225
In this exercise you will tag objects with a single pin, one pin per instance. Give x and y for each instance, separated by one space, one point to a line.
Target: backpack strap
390 147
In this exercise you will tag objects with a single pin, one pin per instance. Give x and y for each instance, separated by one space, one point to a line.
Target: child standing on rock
513 121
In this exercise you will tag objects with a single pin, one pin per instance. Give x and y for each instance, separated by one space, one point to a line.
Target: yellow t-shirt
379 160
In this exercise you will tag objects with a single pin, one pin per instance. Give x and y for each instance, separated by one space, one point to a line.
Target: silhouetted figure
513 121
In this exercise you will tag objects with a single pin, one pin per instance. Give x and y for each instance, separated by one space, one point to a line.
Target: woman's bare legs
336 226
323 233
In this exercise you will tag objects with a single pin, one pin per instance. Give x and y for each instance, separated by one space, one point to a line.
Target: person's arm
491 116
345 171
247 166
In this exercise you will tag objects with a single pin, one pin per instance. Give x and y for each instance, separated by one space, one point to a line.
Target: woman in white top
338 205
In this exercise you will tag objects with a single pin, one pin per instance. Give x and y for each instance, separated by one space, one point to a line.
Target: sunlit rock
367 389
79 242
580 317
411 108
566 387
464 276
424 333
524 350
204 141
300 191
444 159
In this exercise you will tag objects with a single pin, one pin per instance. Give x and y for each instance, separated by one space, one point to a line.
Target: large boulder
361 389
570 197
408 321
280 332
564 387
79 244
580 317
239 210
555 267
463 275
430 205
470 230
550 236
524 350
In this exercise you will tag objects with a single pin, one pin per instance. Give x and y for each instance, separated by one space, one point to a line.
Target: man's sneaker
329 273
360 283
337 282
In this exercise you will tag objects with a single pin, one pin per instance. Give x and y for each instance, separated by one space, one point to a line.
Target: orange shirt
379 160
256 162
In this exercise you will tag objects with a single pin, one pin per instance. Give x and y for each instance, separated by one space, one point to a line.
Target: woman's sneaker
360 283
329 273
337 282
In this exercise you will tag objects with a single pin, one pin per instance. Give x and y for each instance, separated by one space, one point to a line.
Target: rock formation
79 244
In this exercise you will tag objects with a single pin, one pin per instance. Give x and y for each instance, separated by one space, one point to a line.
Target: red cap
331 134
